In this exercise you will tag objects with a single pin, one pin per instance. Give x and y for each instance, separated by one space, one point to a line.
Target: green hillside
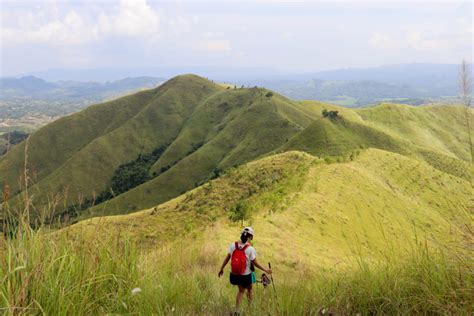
297 192
322 137
229 137
88 146
426 133
375 233
168 140
326 137
368 245
437 127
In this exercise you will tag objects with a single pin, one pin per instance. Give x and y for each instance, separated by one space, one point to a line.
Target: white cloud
422 41
156 32
70 29
177 24
133 18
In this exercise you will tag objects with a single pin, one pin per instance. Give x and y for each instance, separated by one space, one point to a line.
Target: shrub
330 114
240 212
215 173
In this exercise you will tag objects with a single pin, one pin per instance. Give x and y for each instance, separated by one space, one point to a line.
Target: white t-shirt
250 253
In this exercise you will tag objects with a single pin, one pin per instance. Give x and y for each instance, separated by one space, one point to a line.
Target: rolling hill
295 191
366 245
380 233
172 138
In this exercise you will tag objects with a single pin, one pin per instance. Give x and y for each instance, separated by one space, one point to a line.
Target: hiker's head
247 234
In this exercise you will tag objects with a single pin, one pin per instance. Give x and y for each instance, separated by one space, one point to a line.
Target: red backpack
238 262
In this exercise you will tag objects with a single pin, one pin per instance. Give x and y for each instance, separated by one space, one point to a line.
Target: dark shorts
243 280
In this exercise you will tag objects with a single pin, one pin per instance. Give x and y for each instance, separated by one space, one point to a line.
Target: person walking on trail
243 256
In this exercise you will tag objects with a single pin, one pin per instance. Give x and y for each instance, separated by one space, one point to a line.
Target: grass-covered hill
297 196
363 211
435 134
142 150
359 236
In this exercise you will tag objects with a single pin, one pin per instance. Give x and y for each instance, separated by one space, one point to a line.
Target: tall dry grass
58 274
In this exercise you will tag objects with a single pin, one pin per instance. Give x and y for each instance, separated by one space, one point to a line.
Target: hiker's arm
226 260
255 263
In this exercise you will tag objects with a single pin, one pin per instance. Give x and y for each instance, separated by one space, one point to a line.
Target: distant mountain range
410 73
27 103
39 88
405 83
353 87
355 93
31 95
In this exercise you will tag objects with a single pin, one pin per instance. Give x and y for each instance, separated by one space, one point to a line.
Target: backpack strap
243 248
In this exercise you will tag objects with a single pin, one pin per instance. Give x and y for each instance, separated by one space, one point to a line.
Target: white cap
248 230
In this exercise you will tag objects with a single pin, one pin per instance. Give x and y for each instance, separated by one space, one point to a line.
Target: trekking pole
273 283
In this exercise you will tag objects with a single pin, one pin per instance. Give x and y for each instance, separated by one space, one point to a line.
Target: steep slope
295 198
435 134
156 124
73 159
198 127
244 127
189 130
326 137
321 136
441 128
53 145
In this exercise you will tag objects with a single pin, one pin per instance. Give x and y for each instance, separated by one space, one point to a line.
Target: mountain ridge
295 190
204 128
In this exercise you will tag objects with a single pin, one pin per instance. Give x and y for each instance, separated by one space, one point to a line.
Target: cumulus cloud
133 18
70 29
154 32
422 41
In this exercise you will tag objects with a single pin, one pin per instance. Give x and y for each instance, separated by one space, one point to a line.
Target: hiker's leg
250 293
240 294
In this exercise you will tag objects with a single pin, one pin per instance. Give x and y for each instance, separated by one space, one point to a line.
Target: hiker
243 255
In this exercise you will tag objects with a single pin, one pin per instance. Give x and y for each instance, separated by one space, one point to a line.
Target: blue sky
289 36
